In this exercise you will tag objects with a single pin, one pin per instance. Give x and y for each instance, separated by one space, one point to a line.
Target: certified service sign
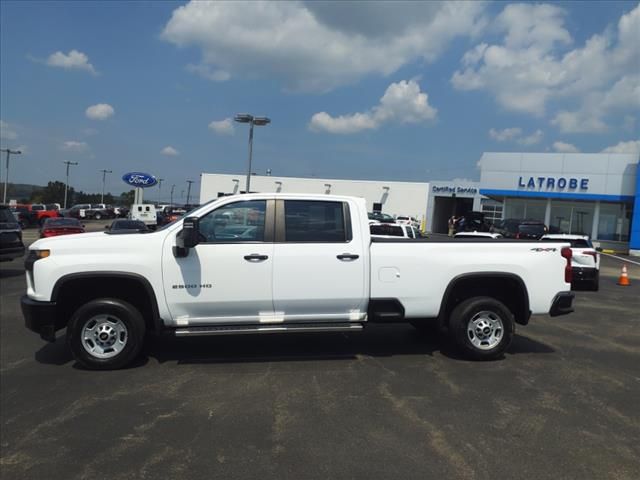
139 180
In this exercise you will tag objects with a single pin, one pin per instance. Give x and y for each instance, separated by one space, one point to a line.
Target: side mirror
187 238
190 232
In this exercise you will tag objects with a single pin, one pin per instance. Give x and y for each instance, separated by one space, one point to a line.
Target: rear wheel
106 334
595 283
482 327
97 216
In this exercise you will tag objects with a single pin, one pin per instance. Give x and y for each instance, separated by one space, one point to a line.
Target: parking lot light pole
66 184
189 190
160 180
172 188
251 120
104 174
6 178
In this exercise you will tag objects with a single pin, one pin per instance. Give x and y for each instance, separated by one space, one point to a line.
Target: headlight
34 256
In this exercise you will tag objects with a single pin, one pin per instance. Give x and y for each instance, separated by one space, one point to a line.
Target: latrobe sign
551 183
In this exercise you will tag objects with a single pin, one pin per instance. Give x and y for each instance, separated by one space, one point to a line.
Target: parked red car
53 227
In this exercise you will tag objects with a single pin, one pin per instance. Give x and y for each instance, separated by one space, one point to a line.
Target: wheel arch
508 288
72 290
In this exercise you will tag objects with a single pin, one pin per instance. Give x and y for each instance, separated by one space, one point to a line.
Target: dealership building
594 194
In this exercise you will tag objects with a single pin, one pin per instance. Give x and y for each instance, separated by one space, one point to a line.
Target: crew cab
11 245
270 263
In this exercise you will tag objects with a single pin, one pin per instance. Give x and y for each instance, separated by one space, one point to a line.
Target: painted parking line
626 260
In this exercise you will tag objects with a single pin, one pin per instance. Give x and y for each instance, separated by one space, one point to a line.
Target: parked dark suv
520 229
11 245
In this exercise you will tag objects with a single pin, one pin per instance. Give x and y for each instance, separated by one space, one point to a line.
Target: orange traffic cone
624 277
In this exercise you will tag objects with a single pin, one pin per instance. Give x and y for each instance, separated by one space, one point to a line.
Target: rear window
37 207
534 229
314 221
575 243
389 230
61 222
6 216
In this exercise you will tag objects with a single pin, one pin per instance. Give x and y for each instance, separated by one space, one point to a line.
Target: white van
145 212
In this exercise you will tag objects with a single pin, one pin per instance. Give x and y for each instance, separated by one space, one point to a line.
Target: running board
266 328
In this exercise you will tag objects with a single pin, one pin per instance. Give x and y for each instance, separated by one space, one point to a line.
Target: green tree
52 193
126 198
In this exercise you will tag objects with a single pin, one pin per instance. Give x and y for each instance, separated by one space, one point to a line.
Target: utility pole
6 178
104 174
160 180
66 185
172 188
189 190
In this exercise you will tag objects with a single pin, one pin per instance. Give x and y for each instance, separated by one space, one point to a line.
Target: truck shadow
376 341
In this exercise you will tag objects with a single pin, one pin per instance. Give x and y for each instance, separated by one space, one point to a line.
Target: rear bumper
40 317
562 304
582 273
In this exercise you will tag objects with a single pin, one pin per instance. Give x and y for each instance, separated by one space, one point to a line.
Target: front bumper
40 317
562 304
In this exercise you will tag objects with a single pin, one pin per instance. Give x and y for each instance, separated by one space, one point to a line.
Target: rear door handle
347 256
254 257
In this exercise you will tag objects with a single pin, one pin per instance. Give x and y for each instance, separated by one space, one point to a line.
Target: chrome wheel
485 330
104 336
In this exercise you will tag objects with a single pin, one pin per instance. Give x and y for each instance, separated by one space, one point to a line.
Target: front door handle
347 256
254 257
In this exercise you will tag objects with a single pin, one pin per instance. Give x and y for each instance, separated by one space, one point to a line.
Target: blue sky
397 91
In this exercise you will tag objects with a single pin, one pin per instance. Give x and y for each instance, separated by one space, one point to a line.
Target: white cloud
632 146
205 71
534 65
100 111
74 146
317 46
402 102
514 134
533 139
222 127
169 151
7 132
506 134
563 147
74 60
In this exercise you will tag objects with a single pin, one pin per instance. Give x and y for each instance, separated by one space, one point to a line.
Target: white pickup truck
266 263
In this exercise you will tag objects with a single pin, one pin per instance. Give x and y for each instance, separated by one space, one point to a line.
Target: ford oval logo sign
139 180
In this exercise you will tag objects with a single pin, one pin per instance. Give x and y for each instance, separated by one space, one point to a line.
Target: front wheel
482 327
98 216
106 334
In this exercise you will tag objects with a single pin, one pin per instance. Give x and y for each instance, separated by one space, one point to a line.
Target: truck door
227 278
318 267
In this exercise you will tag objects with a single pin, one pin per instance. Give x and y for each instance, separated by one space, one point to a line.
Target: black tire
472 345
595 283
97 216
117 312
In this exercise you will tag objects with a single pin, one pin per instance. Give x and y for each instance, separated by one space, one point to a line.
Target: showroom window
615 222
525 209
571 217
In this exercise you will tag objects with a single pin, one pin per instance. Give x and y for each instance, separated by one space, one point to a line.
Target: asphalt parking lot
385 403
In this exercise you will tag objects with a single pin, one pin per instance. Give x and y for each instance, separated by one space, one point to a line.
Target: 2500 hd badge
195 285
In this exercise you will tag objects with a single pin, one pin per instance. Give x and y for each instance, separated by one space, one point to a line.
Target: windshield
62 222
531 229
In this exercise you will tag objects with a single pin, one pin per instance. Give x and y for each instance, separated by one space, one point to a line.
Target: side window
410 232
314 221
235 222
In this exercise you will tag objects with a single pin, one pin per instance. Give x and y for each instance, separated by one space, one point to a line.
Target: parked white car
476 235
393 230
302 263
404 220
585 259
